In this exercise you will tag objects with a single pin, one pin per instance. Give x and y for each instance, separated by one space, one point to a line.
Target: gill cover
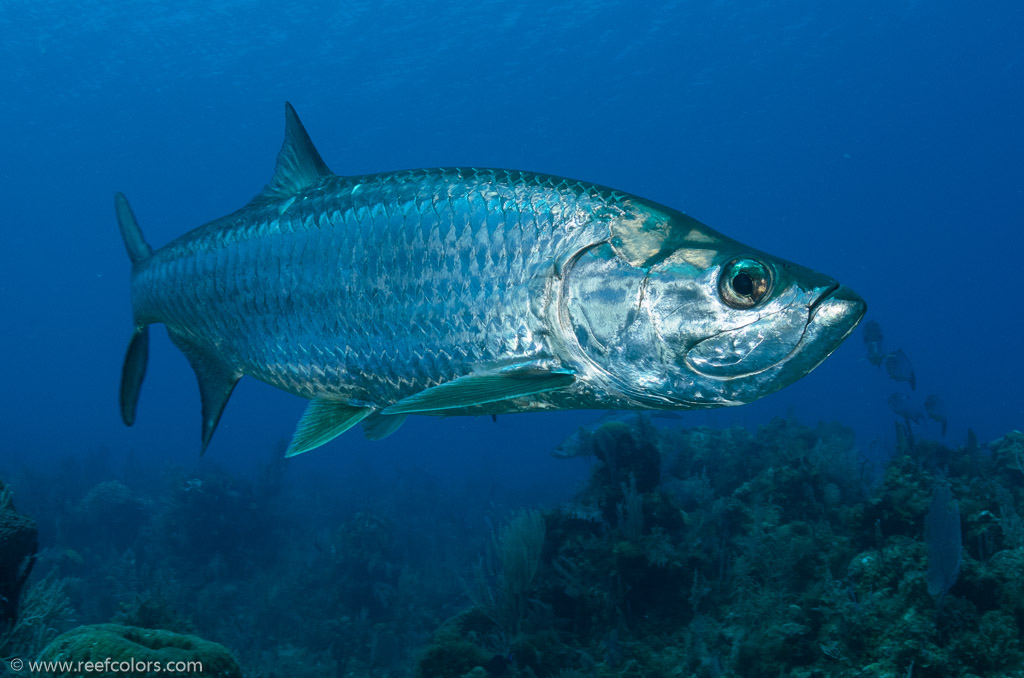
602 301
606 283
605 310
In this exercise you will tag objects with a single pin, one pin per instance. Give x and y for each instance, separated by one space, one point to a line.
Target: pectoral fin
478 389
323 421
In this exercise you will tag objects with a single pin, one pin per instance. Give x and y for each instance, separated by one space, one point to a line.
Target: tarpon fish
466 291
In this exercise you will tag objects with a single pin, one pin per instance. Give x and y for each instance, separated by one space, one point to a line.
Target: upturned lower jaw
831 318
841 305
825 295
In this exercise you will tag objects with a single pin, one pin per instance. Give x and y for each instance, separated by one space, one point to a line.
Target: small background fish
936 409
873 342
898 367
905 406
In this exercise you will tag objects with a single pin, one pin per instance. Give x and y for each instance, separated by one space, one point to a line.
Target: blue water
877 141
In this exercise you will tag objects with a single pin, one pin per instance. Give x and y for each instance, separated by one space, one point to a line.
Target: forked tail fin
133 372
134 369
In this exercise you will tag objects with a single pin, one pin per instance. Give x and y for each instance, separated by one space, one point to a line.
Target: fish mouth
831 318
778 349
839 306
817 302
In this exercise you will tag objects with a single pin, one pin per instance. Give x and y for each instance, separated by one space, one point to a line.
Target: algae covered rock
113 650
111 515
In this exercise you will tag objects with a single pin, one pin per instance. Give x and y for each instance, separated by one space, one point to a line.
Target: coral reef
45 609
682 552
19 541
140 652
707 553
110 510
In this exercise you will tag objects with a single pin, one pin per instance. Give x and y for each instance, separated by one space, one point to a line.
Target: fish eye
744 282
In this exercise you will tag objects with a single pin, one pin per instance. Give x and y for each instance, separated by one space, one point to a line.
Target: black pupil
743 284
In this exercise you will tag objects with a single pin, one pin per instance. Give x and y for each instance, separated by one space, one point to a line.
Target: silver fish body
471 291
369 289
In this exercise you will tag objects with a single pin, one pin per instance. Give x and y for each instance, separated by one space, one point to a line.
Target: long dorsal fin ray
216 382
323 421
299 164
134 242
479 389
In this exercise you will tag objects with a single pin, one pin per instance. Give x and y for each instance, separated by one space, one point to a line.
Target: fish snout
839 307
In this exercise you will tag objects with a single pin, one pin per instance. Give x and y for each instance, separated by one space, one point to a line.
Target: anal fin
323 421
216 382
477 389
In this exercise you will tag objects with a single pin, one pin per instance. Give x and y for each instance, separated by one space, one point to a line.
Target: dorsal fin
299 164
